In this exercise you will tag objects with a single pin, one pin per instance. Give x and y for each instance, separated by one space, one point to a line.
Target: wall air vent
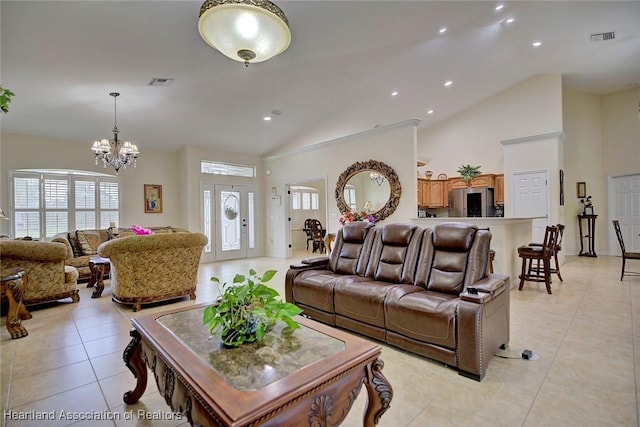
160 82
599 37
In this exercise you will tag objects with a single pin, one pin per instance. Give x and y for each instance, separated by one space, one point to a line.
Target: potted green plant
5 99
468 172
247 309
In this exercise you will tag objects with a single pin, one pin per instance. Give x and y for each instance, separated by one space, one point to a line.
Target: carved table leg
133 359
93 275
379 391
98 279
13 289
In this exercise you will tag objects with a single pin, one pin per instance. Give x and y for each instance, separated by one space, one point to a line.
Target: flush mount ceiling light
247 31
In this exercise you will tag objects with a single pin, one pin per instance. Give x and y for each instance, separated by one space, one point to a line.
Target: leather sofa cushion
394 253
315 288
362 299
447 272
355 231
456 237
422 315
345 257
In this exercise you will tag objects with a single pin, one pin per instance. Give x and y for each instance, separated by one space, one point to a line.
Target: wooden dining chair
542 256
307 230
317 235
625 255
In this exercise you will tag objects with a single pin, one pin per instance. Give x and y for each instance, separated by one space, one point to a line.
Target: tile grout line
555 355
75 323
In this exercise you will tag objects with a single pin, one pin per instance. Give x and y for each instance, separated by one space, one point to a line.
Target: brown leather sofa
412 288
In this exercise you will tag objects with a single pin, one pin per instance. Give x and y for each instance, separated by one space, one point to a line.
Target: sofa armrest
317 261
487 288
66 243
33 250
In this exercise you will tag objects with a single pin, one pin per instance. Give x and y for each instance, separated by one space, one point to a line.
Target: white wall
603 140
533 107
394 145
154 167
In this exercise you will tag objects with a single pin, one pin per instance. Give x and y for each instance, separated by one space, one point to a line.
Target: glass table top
251 366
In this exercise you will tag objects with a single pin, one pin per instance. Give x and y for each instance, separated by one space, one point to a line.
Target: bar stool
492 256
558 246
538 253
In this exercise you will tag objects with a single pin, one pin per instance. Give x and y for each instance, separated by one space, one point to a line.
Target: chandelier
377 178
244 30
115 152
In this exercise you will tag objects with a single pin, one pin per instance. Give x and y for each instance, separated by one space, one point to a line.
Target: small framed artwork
588 210
561 187
581 189
152 198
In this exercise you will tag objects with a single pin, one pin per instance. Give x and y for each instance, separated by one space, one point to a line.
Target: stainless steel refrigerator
471 202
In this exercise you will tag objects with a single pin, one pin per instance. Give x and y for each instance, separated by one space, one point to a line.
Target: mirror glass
370 186
367 191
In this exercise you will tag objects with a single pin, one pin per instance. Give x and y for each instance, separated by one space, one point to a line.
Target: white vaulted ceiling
62 58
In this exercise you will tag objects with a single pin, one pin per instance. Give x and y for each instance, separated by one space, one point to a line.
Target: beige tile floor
585 335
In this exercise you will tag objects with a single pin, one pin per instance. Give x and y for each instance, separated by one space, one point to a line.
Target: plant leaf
268 275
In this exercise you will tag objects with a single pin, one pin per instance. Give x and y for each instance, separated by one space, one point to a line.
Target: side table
13 282
590 236
98 266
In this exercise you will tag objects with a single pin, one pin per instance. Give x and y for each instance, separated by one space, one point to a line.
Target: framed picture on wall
581 189
152 198
561 187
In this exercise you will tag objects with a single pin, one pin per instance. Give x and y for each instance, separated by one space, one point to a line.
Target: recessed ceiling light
442 30
536 44
510 21
430 112
448 83
499 7
267 118
394 93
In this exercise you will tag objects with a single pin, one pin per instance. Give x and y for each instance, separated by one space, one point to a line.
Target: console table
590 236
309 377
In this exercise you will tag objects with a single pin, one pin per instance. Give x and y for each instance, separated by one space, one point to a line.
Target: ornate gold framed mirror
370 186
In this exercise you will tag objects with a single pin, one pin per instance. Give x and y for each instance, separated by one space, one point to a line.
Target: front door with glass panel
229 221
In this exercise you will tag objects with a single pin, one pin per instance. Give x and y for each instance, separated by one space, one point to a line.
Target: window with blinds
49 202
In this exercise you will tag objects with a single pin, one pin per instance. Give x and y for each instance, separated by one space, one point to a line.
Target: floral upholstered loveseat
155 267
48 278
83 244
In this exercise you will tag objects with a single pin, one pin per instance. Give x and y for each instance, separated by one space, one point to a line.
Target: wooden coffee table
310 377
98 266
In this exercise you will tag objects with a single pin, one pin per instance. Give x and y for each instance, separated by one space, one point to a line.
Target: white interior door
235 207
228 215
627 212
531 199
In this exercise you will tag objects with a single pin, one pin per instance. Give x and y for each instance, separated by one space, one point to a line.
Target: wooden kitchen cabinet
487 180
438 194
432 193
499 190
423 192
454 183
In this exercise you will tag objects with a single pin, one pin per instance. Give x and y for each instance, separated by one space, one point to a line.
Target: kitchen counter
507 234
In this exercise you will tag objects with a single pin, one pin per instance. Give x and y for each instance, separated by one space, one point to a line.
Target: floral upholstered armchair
48 279
155 267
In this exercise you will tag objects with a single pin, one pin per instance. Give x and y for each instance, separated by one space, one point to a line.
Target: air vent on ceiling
160 82
599 37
